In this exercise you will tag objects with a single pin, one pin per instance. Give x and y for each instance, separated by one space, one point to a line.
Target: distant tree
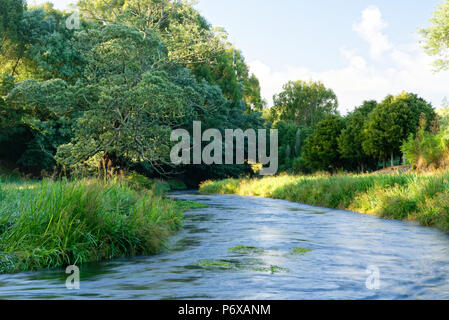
252 94
320 151
352 137
291 141
436 36
304 103
392 121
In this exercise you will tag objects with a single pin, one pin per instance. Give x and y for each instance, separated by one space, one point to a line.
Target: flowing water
338 255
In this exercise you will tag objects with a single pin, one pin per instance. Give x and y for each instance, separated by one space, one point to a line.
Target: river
287 251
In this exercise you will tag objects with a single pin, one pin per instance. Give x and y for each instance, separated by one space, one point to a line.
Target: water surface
339 246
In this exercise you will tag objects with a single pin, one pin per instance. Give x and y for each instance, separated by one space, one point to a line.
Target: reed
53 224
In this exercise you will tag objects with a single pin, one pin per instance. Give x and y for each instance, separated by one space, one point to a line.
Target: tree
392 122
132 106
44 49
11 12
188 36
41 114
320 151
291 142
350 142
304 103
436 36
231 73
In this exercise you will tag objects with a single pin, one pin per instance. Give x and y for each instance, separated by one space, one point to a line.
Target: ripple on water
334 250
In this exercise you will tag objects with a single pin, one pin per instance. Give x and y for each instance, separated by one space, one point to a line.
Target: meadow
421 197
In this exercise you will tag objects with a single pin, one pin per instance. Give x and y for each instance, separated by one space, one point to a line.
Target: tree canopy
436 36
304 103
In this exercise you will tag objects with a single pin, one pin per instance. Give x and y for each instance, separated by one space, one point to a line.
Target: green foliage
139 182
304 103
117 87
11 44
426 149
320 151
189 38
392 121
350 142
291 141
54 224
436 36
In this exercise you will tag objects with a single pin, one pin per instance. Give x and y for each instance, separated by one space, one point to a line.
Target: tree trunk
392 159
384 163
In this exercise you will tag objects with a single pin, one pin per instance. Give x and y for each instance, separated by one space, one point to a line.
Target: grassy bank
54 224
418 197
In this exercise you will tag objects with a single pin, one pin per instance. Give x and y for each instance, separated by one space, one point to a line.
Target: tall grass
419 197
54 224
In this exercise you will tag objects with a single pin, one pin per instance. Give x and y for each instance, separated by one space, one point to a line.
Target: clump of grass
54 224
420 197
246 249
299 250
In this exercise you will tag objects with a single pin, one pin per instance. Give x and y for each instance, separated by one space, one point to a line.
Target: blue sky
361 49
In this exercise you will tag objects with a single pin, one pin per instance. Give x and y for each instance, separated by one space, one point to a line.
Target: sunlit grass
423 197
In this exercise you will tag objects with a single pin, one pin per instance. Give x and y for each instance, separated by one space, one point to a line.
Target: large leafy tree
320 151
187 35
133 105
304 103
392 121
436 36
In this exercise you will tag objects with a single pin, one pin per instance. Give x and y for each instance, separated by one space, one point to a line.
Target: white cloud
370 28
404 67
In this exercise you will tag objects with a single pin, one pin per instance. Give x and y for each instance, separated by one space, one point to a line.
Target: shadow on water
255 248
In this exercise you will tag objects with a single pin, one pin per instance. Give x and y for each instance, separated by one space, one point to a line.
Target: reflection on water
413 261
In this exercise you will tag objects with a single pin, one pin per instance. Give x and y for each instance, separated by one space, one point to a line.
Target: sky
361 49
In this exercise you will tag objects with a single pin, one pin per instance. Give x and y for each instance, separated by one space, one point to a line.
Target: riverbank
416 197
48 224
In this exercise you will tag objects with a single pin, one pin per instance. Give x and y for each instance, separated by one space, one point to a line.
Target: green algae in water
299 250
246 249
218 264
272 269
